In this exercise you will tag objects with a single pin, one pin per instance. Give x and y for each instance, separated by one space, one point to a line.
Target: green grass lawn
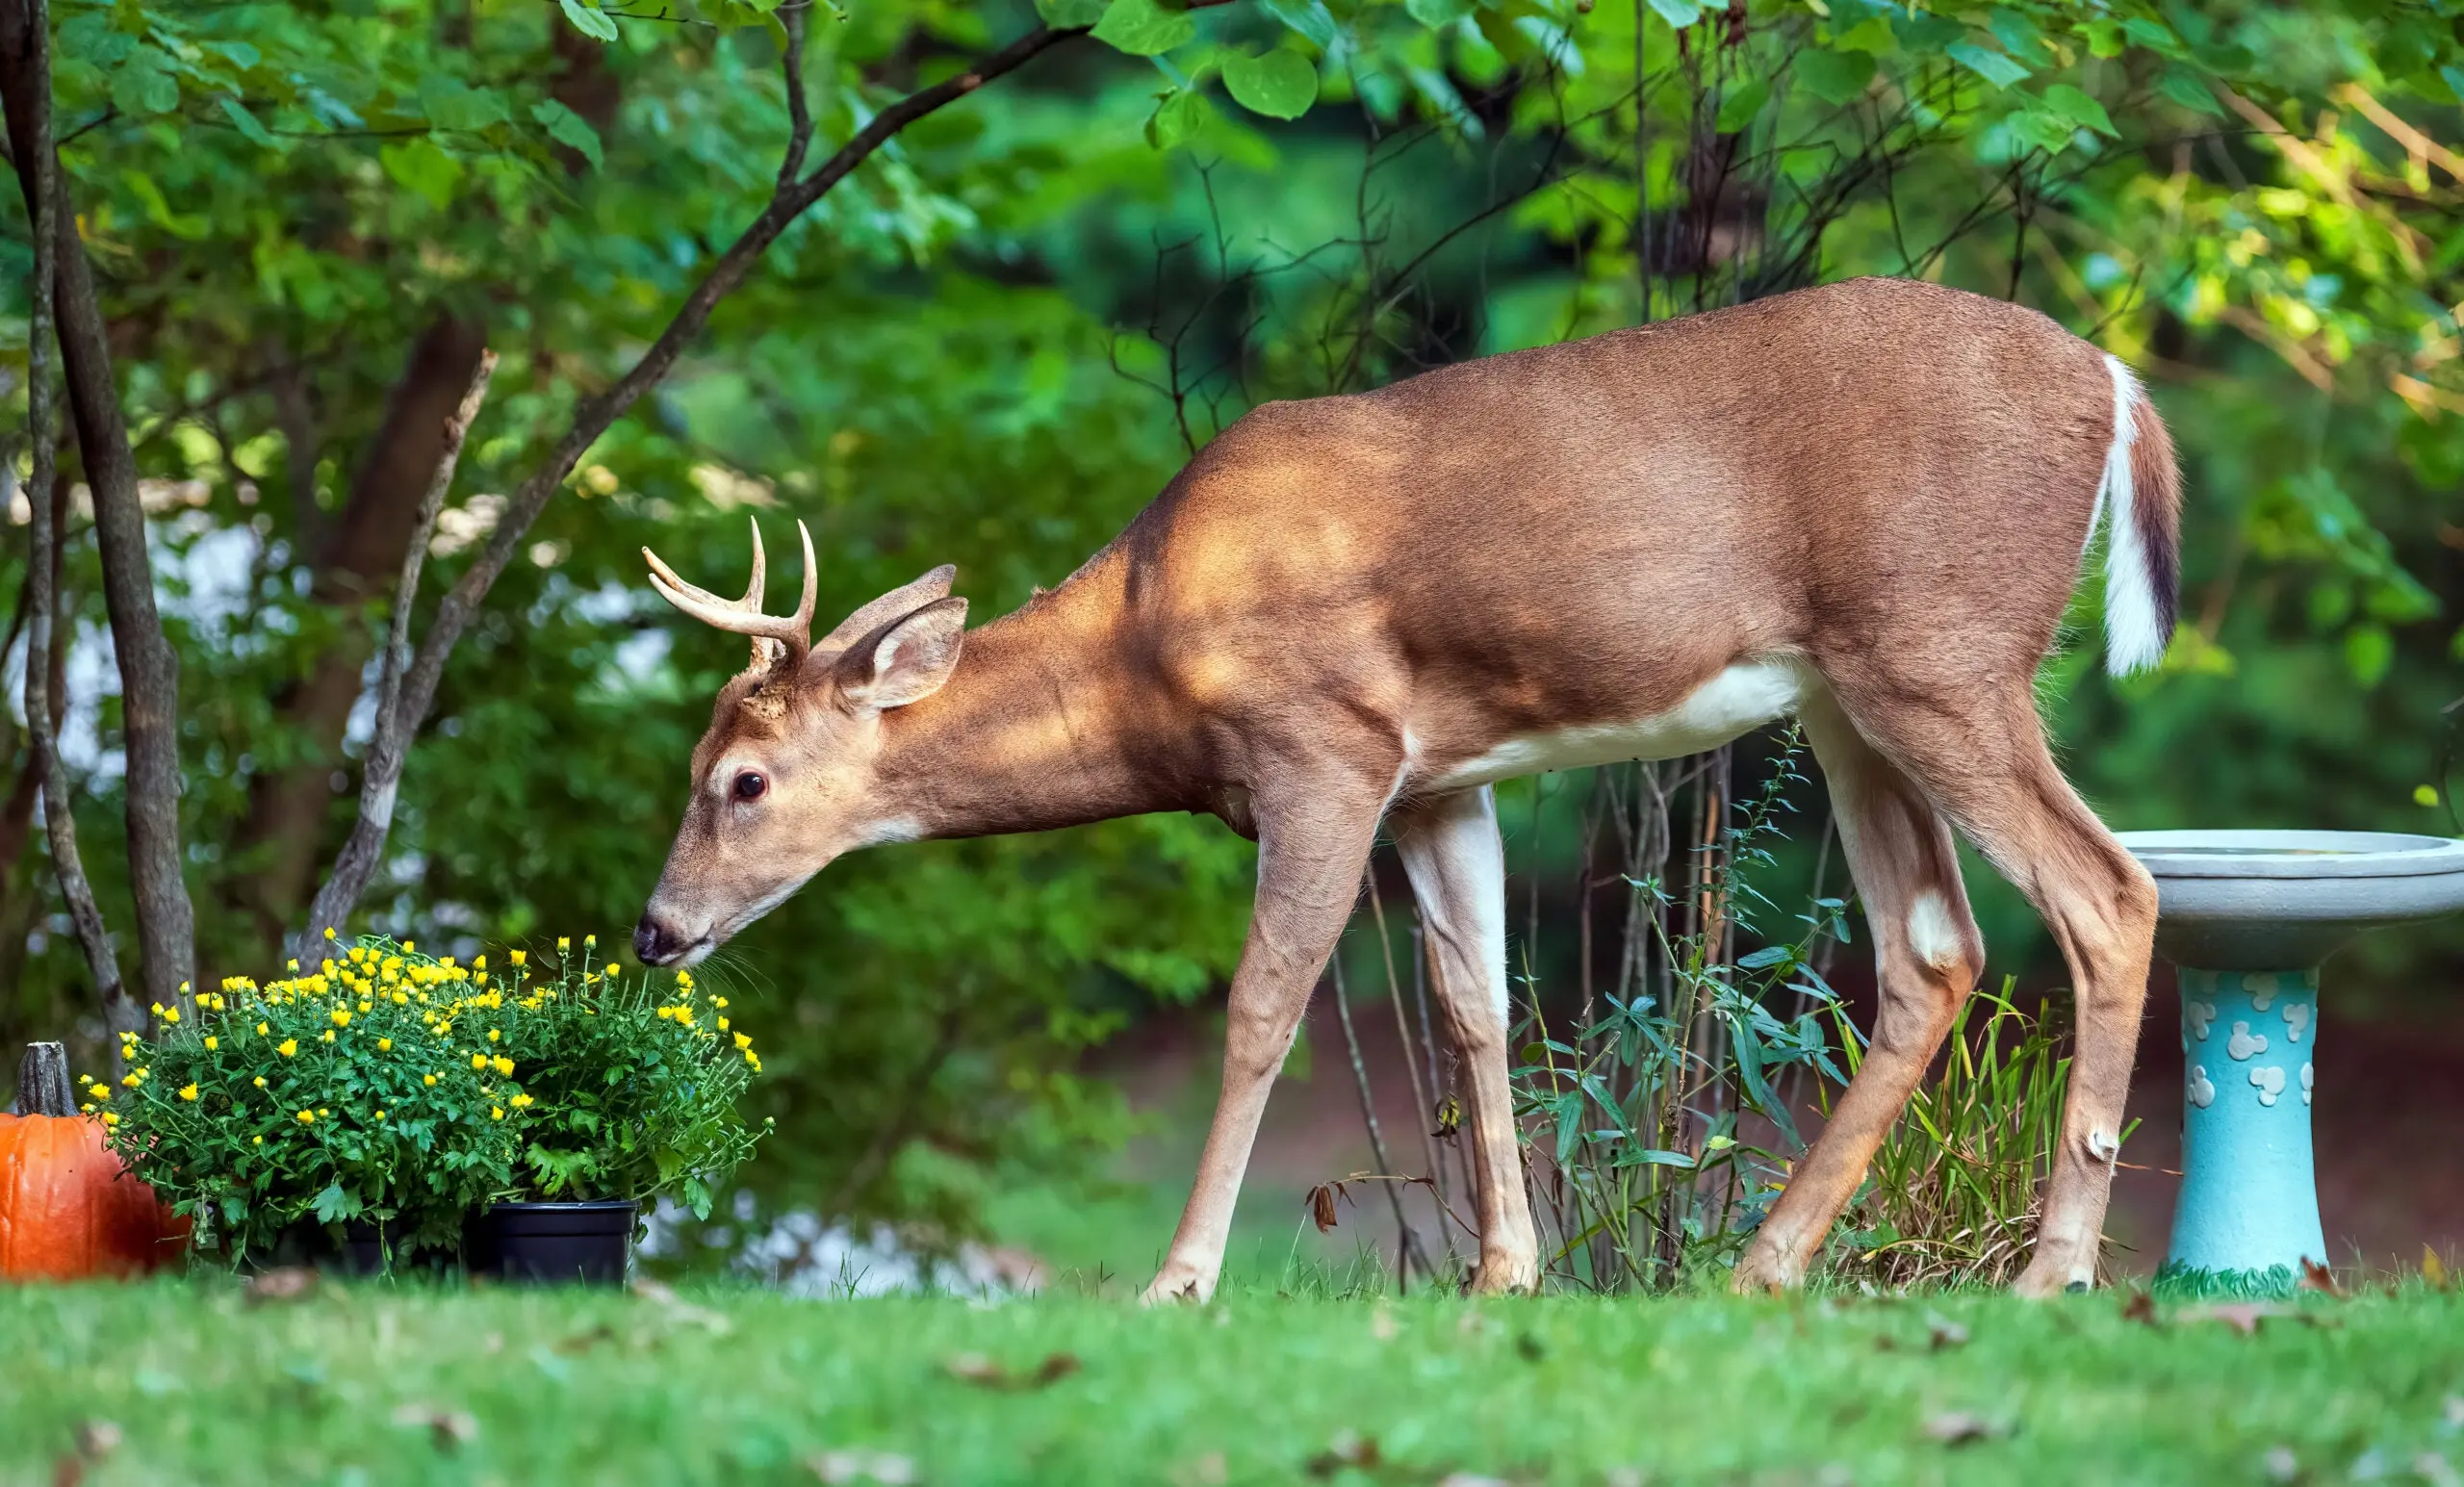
373 1384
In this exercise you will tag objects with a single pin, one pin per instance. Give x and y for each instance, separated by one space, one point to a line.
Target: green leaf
2369 651
2044 128
1309 17
2191 90
1070 14
1992 67
1835 77
1680 14
192 227
2154 34
145 87
1279 85
1741 104
2080 109
449 103
247 122
568 128
333 1205
2016 31
1176 118
419 166
1142 28
1871 35
1437 14
589 19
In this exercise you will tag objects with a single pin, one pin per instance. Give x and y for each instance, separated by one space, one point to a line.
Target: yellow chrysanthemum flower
307 1117
427 1078
384 1045
564 943
478 1061
171 1014
130 1080
518 957
329 932
521 1102
287 1047
261 1081
188 1092
110 1118
212 1042
341 1016
743 1042
496 1112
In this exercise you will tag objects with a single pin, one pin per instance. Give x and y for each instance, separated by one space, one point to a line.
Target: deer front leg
1452 854
1312 845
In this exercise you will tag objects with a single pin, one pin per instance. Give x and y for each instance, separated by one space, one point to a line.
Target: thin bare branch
382 776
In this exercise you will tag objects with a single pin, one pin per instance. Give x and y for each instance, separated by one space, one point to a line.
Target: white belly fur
1739 699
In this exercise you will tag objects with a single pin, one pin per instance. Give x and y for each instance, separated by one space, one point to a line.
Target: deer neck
1029 734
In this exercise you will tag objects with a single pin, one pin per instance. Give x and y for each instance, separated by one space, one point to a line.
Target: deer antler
743 616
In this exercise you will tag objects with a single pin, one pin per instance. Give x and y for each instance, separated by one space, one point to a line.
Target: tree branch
461 604
388 749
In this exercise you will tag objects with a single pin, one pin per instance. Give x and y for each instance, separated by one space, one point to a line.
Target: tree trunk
25 86
288 809
148 668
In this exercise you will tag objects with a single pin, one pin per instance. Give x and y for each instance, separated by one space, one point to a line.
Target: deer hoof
1177 1283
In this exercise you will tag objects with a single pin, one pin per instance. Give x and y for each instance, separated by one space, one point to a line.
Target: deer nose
654 942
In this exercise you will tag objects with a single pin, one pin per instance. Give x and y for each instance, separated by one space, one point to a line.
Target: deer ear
889 606
905 660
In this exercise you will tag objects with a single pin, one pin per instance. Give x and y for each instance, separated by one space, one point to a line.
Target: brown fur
1340 600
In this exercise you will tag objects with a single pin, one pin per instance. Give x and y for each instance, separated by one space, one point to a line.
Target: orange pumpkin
68 1207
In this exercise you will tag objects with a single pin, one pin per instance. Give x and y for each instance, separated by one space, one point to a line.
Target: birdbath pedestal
2248 917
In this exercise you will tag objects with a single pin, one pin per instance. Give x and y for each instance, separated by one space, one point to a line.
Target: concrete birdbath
2248 917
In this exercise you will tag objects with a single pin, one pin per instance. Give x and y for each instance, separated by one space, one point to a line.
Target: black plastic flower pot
572 1244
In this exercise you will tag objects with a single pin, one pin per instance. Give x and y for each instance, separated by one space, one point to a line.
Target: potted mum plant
389 1105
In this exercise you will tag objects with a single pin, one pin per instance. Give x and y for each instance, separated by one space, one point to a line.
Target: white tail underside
2133 639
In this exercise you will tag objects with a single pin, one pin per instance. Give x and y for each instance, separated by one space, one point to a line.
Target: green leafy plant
1952 1194
405 1091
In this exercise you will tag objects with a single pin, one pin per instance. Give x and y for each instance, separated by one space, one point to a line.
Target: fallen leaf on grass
2319 1279
1348 1449
2139 1307
1959 1428
584 1342
887 1468
95 1439
678 1309
448 1429
2243 1316
982 1371
289 1283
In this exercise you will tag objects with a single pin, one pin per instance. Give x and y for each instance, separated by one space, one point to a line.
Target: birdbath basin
2248 917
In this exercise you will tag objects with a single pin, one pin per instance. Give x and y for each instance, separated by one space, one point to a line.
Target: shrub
405 1091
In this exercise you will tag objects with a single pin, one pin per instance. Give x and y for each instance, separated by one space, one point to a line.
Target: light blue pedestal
2248 1216
2233 909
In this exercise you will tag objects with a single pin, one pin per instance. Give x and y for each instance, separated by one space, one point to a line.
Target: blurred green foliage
995 343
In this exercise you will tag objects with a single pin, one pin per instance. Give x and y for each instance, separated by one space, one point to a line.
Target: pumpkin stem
42 1082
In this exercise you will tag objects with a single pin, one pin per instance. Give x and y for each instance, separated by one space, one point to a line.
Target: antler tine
667 579
744 617
760 568
803 617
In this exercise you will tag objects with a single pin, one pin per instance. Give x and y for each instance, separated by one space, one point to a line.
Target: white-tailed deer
1864 504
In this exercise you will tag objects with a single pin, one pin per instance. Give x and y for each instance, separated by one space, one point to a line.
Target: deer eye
750 786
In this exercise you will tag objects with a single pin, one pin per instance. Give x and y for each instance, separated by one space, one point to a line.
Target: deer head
784 780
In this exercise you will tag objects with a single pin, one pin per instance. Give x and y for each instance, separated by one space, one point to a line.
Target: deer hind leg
1927 956
1456 861
1313 842
1984 760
